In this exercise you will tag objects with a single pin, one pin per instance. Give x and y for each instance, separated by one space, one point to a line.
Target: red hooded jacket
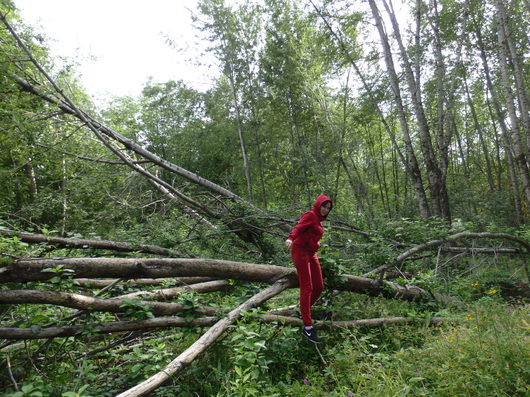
308 231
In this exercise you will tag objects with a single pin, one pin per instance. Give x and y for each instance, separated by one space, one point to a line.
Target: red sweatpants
310 279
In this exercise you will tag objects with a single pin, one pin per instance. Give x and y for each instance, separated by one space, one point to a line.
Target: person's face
325 208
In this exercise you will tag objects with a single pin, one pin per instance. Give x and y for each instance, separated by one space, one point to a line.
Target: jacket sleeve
303 223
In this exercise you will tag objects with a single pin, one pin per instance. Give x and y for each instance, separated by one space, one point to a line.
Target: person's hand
288 244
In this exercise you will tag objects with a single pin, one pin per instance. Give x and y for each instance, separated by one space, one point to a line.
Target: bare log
100 283
166 293
83 302
36 332
130 268
366 322
452 238
90 243
205 341
483 250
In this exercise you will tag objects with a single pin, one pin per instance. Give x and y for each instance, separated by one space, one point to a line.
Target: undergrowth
483 351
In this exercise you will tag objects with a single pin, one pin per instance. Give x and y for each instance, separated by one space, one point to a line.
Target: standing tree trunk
439 197
244 153
425 209
508 146
518 141
296 142
518 74
478 128
64 199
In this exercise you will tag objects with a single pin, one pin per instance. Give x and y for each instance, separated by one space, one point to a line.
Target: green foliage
62 278
143 362
28 390
190 301
250 365
332 267
136 310
13 246
79 393
473 361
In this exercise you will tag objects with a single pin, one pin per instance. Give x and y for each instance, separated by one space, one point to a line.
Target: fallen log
100 283
166 293
37 332
83 302
483 250
90 243
366 322
34 269
451 238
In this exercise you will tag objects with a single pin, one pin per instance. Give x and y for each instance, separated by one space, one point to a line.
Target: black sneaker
311 334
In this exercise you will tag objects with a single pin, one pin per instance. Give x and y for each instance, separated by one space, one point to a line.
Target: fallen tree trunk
483 250
452 238
83 302
166 293
36 332
205 341
90 243
130 268
366 322
100 283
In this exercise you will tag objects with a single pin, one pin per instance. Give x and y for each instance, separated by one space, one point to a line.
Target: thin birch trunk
298 147
518 142
518 74
425 210
358 200
478 129
64 199
244 152
508 146
434 175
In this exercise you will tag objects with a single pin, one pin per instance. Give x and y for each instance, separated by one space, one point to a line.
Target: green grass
489 355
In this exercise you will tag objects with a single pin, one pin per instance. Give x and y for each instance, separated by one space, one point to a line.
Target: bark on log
366 322
484 250
36 332
99 283
90 243
131 268
83 302
454 237
166 293
205 341
32 270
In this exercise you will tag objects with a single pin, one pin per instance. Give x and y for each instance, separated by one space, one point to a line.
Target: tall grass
488 355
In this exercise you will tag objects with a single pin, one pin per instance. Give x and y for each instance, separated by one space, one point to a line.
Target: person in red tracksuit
304 242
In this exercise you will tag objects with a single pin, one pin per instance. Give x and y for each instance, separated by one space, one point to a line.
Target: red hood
318 203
